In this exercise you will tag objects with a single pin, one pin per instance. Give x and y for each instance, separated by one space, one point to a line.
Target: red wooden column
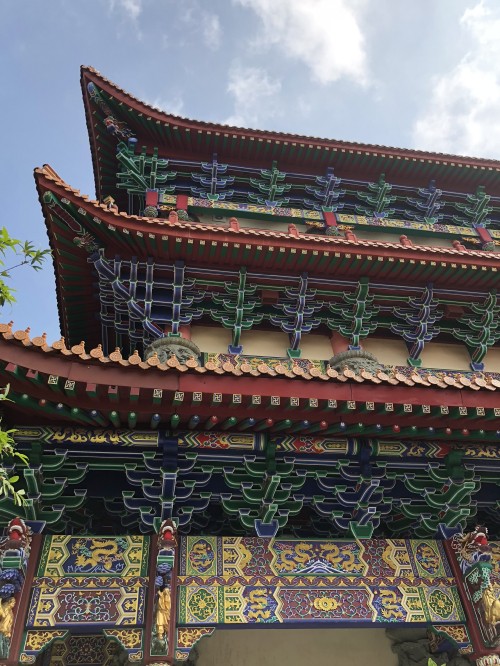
185 331
330 219
150 599
163 565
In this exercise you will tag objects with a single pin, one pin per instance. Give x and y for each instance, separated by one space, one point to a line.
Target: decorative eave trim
293 238
59 353
91 74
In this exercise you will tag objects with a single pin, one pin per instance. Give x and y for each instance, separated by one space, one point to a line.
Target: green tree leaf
24 253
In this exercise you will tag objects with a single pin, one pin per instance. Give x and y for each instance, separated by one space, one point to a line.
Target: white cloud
202 22
211 30
173 104
304 106
255 96
131 8
325 35
464 106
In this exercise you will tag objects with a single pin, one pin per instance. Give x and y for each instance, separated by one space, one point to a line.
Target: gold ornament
163 613
325 604
7 617
491 606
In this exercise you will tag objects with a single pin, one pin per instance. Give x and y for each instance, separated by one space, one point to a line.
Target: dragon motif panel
271 601
77 556
248 580
255 556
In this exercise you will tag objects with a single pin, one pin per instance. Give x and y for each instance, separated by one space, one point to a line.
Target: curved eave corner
400 161
47 180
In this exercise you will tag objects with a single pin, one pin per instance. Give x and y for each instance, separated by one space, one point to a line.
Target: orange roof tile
78 353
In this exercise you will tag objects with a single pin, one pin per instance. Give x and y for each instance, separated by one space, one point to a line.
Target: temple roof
84 386
76 224
178 137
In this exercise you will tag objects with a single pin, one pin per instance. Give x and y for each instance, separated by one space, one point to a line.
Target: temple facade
275 403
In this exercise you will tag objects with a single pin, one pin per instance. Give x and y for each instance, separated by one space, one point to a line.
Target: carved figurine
480 538
167 535
109 202
7 617
491 606
163 613
19 535
473 547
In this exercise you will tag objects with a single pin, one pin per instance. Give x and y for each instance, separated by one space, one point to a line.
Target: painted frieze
91 582
84 650
87 436
248 580
62 555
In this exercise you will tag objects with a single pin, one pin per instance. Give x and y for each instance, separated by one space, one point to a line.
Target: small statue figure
18 535
163 613
480 538
491 606
473 547
167 536
117 127
109 202
7 617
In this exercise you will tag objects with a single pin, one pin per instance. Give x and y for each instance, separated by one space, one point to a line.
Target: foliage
27 255
8 449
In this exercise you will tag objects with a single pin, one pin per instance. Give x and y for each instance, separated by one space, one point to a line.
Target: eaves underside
227 249
182 137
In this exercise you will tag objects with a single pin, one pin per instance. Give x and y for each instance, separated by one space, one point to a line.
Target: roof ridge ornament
356 361
164 348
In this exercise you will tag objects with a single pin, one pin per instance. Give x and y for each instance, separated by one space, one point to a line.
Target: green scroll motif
49 493
355 320
237 311
482 329
141 172
446 498
377 199
476 211
271 186
268 489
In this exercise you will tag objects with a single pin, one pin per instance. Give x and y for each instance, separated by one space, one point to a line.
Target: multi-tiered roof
242 229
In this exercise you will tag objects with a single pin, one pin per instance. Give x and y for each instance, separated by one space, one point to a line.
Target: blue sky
422 74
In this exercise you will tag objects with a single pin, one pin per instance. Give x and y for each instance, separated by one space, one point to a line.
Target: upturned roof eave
309 246
90 130
53 247
91 74
70 382
160 226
